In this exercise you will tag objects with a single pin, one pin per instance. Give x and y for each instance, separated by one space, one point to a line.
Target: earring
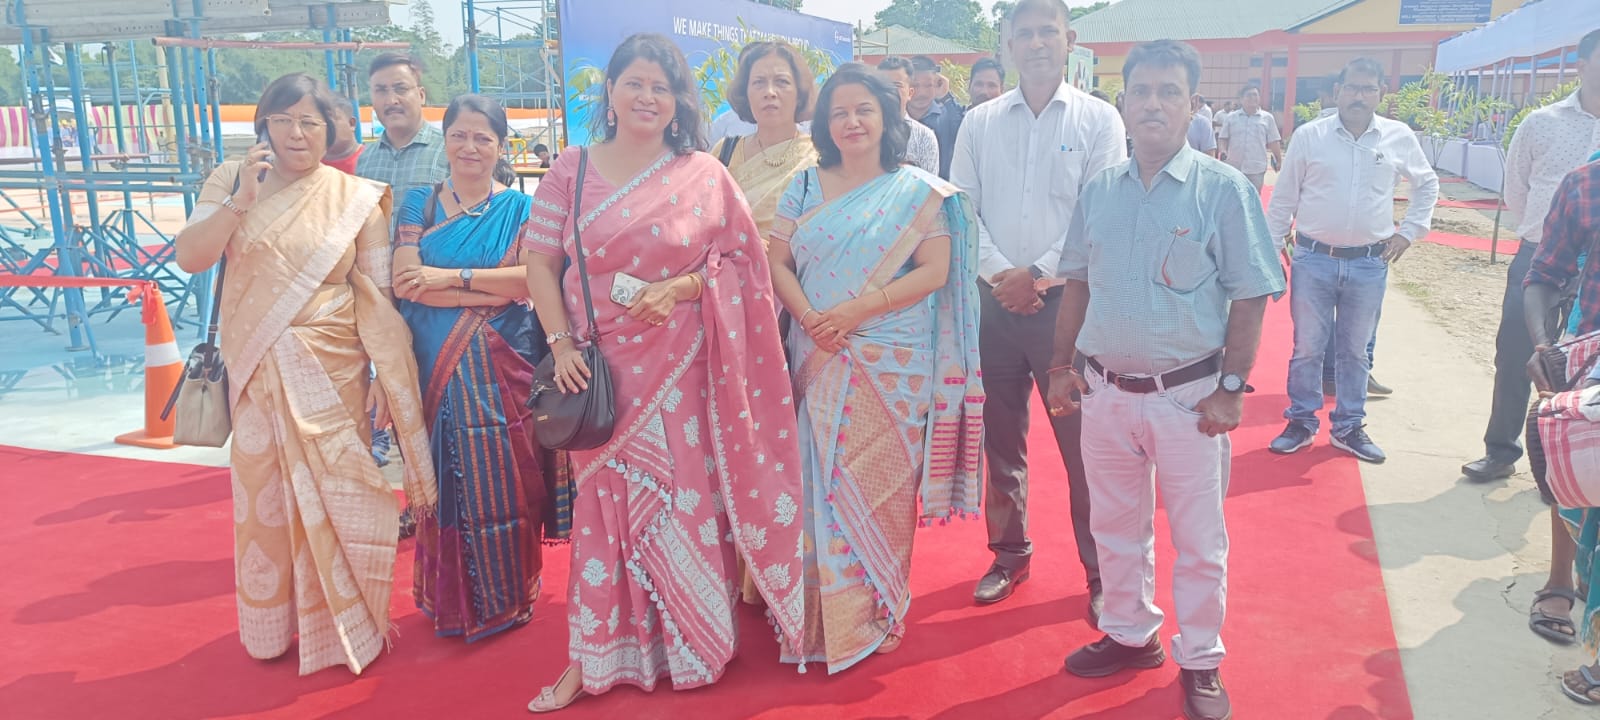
674 127
611 117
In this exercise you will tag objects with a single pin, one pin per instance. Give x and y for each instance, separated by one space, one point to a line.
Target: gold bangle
886 301
699 285
459 301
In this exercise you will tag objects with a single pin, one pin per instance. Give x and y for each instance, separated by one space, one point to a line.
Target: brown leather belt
1145 384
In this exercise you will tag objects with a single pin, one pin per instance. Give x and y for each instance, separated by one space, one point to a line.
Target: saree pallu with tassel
304 320
895 419
478 559
703 467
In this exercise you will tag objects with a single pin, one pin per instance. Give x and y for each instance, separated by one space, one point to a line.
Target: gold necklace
783 159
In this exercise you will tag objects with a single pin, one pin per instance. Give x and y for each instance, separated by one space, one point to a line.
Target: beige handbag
201 398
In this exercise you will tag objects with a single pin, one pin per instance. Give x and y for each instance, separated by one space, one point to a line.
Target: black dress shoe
1097 603
1377 388
998 584
1107 657
1488 468
1204 697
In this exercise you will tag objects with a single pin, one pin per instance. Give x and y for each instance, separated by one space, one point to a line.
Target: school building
1287 46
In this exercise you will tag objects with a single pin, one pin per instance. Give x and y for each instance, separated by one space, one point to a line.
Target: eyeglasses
283 123
399 90
1362 89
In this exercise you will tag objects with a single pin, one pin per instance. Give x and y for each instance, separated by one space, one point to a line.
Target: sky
448 13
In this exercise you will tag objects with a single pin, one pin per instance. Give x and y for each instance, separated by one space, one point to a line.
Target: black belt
1338 251
1145 384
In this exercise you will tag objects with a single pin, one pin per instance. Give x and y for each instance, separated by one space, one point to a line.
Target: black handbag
583 420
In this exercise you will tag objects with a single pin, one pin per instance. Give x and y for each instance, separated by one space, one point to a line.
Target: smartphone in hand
264 137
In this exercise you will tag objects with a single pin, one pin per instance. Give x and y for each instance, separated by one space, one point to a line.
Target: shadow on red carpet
118 603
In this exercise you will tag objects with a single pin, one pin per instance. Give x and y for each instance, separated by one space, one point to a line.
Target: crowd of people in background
825 314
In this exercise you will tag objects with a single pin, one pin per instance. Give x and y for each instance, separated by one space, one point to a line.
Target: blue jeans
1320 288
1332 353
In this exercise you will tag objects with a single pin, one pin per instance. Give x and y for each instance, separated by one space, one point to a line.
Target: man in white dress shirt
922 150
1248 136
1201 137
1337 190
1023 157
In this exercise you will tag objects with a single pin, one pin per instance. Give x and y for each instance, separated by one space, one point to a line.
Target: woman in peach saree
305 316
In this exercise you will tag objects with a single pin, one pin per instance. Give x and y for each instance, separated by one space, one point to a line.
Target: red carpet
117 602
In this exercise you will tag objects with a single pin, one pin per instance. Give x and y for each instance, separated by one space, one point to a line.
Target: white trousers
1126 437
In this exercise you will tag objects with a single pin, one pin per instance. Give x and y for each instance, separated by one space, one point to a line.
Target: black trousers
1513 348
1016 352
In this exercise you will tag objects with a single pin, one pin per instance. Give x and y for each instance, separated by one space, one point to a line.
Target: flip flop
1547 625
1590 685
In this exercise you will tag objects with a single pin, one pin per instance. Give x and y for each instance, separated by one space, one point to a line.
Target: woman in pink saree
704 466
306 315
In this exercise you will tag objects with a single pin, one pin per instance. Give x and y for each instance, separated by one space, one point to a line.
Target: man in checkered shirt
410 153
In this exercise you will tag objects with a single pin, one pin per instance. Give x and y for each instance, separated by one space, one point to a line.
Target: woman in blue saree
461 287
877 262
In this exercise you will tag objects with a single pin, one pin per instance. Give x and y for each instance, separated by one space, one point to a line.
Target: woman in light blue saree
877 262
461 286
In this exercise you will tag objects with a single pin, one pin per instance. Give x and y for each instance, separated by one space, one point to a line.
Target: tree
1422 104
785 4
1083 10
959 20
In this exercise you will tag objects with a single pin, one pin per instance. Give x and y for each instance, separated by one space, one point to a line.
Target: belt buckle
1122 382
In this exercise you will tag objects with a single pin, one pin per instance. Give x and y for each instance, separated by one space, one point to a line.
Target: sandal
892 642
546 702
1586 694
1549 626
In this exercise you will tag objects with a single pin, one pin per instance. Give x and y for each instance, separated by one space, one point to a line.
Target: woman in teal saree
461 287
877 262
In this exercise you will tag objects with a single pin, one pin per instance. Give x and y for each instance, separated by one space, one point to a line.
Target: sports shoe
1295 437
1357 443
1105 657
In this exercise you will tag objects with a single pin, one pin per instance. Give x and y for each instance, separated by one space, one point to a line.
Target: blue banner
710 33
1445 12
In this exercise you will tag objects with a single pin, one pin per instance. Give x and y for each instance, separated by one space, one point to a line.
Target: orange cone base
140 438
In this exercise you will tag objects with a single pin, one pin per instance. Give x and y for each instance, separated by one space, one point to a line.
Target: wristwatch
1231 383
228 203
1035 272
466 278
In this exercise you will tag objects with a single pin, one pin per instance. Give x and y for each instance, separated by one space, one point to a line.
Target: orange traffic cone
163 370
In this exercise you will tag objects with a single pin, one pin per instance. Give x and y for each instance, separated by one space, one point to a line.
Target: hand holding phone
625 288
263 138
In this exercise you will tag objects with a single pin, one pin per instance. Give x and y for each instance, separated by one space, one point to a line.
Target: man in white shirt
1549 143
922 149
1337 190
1248 136
1023 157
1200 136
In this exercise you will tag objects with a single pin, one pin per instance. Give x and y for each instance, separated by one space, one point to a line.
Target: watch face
1232 383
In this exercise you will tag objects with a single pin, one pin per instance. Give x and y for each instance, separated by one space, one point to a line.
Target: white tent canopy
1533 29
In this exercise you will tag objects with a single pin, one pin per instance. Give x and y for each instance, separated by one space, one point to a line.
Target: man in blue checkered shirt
409 154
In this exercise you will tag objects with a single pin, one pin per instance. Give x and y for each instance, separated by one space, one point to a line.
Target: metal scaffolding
513 55
162 142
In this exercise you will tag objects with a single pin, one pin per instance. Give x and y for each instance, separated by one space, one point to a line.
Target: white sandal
546 702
